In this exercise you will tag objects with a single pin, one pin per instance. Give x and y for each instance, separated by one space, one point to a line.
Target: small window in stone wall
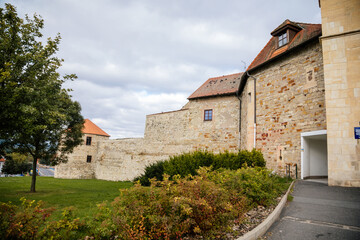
88 140
249 94
208 114
88 159
310 78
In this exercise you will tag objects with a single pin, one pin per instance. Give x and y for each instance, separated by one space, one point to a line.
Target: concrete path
319 212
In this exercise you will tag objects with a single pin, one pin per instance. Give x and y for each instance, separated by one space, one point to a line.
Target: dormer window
285 33
282 39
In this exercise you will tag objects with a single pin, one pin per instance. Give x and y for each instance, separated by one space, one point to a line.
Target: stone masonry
290 100
341 47
166 134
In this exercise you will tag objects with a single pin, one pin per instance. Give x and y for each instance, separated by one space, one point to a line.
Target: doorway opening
314 163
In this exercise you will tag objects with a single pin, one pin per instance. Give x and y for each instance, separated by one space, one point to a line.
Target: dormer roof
218 86
287 24
92 128
303 33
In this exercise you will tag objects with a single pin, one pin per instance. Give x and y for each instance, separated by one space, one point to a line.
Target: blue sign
357 132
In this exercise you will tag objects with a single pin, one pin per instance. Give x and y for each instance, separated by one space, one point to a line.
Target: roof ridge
200 92
92 128
226 75
262 50
308 23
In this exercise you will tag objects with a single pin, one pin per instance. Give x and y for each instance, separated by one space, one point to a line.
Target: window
88 140
208 115
88 159
282 39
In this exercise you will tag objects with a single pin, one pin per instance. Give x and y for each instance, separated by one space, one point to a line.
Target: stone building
298 102
210 120
82 160
283 98
341 51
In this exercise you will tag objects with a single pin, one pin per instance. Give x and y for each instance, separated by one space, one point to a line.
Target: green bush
170 209
206 205
154 170
30 221
258 185
188 164
22 222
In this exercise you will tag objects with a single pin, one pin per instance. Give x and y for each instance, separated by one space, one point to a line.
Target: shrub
170 209
29 221
22 222
188 164
258 185
154 170
68 227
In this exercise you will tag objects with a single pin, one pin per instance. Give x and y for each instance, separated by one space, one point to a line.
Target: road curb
266 224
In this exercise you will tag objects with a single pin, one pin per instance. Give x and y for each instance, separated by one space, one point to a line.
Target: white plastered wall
314 154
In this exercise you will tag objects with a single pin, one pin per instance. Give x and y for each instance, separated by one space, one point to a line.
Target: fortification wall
168 127
77 166
290 100
247 116
168 134
220 134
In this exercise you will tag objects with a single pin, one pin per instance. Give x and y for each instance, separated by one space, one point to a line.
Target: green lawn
83 194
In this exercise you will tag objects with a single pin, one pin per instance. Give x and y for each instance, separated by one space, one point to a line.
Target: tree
37 116
16 163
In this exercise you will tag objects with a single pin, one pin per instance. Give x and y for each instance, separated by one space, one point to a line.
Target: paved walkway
319 212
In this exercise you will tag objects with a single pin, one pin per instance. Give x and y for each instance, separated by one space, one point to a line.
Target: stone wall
247 116
166 134
125 159
168 127
220 134
77 166
341 46
290 100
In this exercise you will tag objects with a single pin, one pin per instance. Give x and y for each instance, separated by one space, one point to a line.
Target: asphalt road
319 212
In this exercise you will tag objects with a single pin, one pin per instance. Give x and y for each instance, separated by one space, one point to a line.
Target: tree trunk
33 178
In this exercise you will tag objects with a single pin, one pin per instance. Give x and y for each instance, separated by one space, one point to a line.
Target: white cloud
139 57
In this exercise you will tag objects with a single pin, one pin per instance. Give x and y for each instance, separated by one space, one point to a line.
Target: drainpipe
254 107
239 97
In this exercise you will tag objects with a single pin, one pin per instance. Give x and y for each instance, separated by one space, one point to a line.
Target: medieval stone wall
77 166
290 100
247 116
220 134
166 134
168 127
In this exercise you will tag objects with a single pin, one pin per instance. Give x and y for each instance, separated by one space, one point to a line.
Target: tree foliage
37 115
16 163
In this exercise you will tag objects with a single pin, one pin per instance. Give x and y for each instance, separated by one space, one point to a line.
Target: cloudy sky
137 57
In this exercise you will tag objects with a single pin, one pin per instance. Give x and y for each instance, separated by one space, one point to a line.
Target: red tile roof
91 128
217 86
305 32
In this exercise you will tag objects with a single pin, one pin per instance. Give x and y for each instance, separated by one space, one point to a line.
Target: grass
83 194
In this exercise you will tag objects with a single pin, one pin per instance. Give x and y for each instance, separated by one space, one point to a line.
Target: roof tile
307 32
223 85
92 128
